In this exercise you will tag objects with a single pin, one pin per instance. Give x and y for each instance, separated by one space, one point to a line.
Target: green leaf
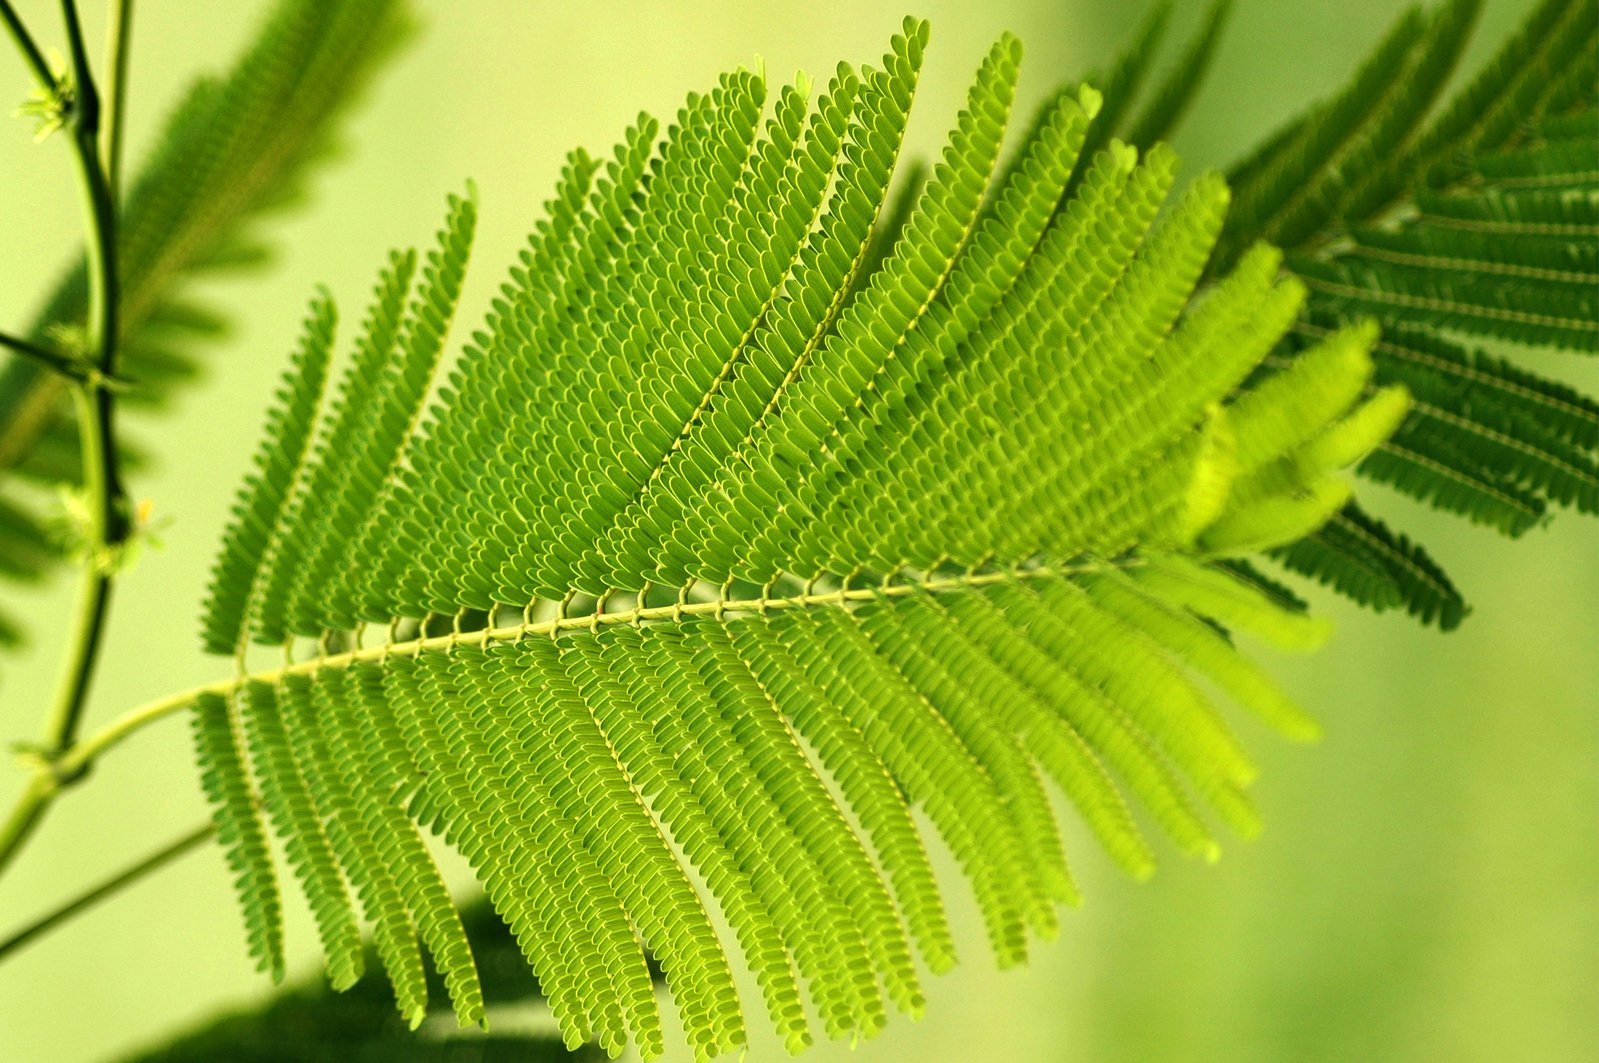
237 148
310 1023
1474 228
279 464
734 536
1362 558
1469 223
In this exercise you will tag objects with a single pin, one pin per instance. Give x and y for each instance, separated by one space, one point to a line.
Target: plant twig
117 49
53 360
82 756
88 97
91 897
25 44
108 524
60 772
30 808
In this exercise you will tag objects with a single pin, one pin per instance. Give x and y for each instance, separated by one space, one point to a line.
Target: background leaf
1401 200
313 1023
237 148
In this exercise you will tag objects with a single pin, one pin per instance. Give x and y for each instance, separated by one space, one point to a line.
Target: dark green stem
86 106
102 481
53 360
107 523
94 595
25 45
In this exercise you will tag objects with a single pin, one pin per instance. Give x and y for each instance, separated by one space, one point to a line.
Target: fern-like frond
220 751
1307 180
259 509
1453 225
1476 225
1171 98
238 147
1359 556
730 540
1135 108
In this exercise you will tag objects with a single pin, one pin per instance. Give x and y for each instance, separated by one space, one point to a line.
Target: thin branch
117 50
108 523
32 803
24 41
64 364
55 361
115 884
60 771
65 769
86 104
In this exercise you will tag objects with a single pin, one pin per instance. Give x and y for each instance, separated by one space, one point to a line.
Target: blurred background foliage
1428 885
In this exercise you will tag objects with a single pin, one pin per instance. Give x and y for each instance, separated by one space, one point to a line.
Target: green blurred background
1428 885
